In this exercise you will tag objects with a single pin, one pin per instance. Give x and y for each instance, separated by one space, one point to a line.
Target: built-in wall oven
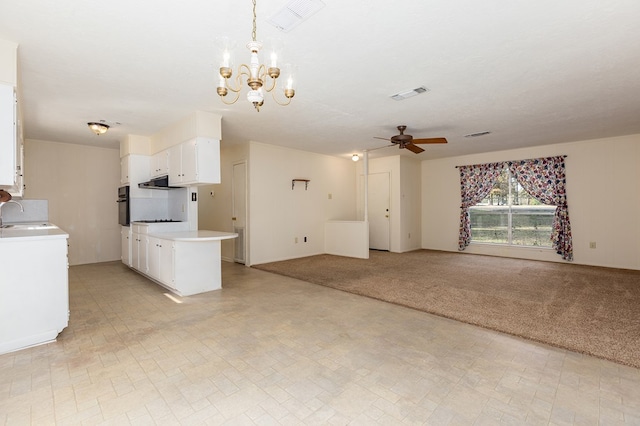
124 211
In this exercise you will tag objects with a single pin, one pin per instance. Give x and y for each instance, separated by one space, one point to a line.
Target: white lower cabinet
125 239
185 268
139 243
34 306
196 266
160 260
185 262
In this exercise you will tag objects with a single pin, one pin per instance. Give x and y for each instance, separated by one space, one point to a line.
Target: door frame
246 208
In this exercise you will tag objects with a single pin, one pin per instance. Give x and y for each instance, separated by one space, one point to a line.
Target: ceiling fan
408 142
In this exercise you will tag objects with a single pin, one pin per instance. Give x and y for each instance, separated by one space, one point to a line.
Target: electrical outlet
592 244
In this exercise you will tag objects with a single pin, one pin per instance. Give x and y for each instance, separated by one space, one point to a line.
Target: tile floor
268 350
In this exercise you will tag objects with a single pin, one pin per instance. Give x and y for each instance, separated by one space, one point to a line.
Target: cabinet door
160 260
175 165
124 170
153 260
165 274
135 169
7 135
189 161
126 245
143 254
160 164
135 251
207 161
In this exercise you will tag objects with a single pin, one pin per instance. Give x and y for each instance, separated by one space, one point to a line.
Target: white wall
280 214
603 195
81 184
410 205
8 63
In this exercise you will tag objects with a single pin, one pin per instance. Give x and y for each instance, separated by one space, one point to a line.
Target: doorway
379 214
239 210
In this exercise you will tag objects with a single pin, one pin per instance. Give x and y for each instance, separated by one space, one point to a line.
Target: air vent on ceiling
294 13
409 93
475 135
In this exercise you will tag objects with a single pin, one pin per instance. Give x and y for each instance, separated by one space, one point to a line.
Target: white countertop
201 235
12 232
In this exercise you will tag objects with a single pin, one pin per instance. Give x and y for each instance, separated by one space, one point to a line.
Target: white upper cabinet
9 150
195 162
134 169
11 153
160 164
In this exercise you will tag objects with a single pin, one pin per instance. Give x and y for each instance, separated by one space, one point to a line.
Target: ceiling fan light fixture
355 157
98 128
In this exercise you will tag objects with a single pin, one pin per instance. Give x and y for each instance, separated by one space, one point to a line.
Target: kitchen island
34 285
185 262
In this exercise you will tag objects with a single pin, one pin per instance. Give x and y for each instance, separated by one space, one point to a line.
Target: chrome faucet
7 202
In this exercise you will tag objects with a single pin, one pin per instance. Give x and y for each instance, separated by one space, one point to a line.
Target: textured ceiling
531 72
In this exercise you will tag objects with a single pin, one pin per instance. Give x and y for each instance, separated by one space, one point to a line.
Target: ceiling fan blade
384 139
415 149
430 140
380 147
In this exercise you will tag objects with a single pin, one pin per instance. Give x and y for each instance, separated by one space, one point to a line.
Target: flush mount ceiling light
256 74
98 128
355 157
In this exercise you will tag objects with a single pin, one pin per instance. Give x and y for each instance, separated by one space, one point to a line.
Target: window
510 215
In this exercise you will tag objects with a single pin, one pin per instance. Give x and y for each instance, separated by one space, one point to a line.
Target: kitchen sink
28 226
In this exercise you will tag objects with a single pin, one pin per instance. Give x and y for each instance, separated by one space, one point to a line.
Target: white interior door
239 189
379 224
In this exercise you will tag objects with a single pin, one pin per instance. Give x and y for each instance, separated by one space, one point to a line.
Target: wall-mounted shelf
306 183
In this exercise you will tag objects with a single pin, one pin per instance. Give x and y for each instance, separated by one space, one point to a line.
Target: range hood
161 182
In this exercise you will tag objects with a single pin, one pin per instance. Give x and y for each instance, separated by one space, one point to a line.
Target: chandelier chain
253 32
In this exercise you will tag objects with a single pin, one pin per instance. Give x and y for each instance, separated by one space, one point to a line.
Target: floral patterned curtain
476 182
544 179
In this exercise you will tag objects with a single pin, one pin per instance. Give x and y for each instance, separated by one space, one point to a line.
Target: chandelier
259 77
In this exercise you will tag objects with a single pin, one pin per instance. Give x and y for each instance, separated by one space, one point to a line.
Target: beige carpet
581 308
